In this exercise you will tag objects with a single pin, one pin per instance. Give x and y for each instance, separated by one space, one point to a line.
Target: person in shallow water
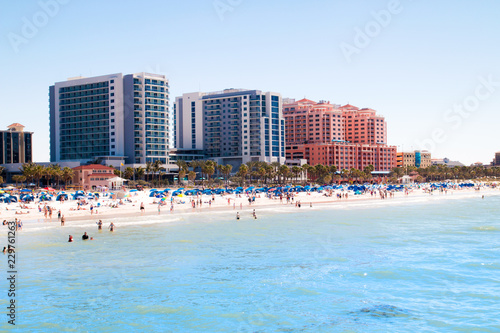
99 225
70 239
238 215
111 227
85 236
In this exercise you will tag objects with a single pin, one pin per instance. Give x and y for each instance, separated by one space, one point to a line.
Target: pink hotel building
346 136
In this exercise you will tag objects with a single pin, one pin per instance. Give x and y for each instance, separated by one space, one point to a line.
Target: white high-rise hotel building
113 117
233 126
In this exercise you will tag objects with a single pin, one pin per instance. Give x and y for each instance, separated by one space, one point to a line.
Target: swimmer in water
85 236
4 249
111 227
237 215
99 225
70 239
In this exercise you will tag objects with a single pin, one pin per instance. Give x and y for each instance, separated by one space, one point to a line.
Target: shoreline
132 209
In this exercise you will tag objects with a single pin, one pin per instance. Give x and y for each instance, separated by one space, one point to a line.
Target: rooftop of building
16 127
230 91
93 167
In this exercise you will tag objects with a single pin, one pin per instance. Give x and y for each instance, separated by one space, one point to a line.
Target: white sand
131 205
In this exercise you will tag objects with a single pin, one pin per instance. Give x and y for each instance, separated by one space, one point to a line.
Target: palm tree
242 172
67 175
320 171
149 168
225 170
262 173
209 170
196 164
192 176
306 167
27 170
343 173
128 173
296 170
181 175
283 171
18 179
38 173
139 171
269 172
56 172
157 165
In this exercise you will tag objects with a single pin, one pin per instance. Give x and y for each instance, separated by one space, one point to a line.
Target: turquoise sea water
375 267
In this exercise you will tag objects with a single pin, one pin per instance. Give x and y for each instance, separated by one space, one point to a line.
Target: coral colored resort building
344 136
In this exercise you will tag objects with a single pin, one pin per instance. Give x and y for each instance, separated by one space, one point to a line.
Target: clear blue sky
425 58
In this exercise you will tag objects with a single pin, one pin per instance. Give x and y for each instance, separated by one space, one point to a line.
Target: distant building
344 136
16 145
417 158
496 160
447 162
112 117
233 126
92 176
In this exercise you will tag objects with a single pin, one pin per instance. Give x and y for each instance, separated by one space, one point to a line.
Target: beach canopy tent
116 182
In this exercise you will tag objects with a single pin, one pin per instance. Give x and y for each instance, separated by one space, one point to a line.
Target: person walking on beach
62 220
111 227
159 208
142 208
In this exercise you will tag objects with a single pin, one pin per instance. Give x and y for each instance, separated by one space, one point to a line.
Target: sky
431 68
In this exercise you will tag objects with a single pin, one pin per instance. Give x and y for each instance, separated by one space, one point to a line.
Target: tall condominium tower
233 126
16 145
112 117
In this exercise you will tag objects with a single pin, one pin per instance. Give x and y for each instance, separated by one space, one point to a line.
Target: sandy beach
106 208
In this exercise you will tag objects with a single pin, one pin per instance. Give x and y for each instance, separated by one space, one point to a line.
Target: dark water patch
383 311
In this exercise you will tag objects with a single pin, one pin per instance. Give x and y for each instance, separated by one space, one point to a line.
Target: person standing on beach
142 208
159 208
62 220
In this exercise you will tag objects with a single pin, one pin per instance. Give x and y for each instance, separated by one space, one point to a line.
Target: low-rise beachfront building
446 161
92 176
344 136
417 159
